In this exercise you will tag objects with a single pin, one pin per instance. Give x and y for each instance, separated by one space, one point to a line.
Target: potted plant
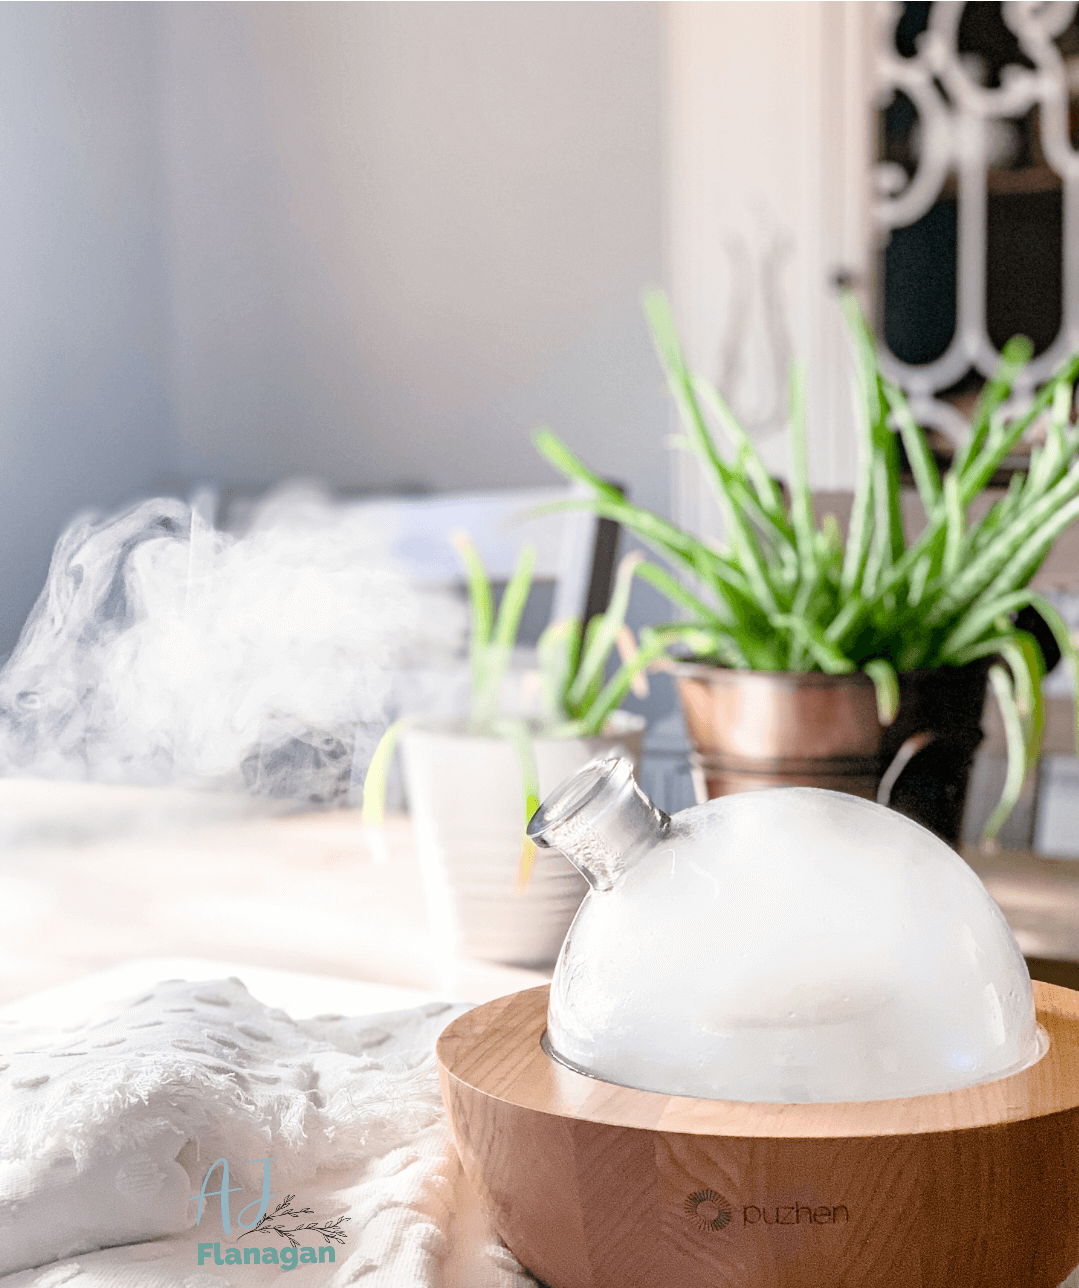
472 786
807 658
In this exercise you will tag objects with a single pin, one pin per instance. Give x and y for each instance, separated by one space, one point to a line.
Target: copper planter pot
754 729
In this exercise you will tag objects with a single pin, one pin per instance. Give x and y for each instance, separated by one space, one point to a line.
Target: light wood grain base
592 1185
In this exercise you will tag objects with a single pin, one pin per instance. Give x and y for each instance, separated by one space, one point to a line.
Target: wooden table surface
93 877
1040 898
85 892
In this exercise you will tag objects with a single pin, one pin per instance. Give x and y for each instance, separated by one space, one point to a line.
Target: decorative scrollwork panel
976 193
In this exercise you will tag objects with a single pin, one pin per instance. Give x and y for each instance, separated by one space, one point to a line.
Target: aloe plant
787 594
578 698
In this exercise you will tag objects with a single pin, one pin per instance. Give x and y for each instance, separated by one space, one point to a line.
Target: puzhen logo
265 1222
711 1211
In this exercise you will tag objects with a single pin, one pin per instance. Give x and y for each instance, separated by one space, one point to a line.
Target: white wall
376 243
769 143
403 235
84 415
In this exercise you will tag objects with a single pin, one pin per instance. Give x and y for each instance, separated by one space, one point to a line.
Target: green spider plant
578 699
788 595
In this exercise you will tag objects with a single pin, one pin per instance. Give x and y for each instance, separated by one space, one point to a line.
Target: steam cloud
165 651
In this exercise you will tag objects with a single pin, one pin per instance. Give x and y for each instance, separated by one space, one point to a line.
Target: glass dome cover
793 945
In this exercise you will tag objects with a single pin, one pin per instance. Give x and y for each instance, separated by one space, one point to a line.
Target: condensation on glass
793 945
976 199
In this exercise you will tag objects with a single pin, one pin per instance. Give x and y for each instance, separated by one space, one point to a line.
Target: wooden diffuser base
593 1185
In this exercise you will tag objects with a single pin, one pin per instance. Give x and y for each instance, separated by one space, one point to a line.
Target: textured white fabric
94 1115
107 1127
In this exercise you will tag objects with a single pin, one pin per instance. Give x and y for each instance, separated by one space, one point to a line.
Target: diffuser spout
601 821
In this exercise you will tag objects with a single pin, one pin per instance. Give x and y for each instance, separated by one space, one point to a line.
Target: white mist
165 651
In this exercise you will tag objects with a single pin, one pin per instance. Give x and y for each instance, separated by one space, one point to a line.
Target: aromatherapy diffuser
790 1043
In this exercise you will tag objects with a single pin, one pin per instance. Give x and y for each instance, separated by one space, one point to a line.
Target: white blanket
109 1127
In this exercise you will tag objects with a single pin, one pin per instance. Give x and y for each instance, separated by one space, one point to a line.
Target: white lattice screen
787 168
978 128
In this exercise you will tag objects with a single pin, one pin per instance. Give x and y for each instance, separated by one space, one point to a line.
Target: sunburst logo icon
708 1210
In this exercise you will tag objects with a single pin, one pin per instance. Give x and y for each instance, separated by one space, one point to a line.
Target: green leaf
1047 464
886 682
668 540
919 576
882 547
1066 643
1020 540
675 591
887 486
988 647
514 598
374 782
764 485
1028 558
979 469
801 500
825 654
608 624
847 620
557 653
580 698
480 598
999 514
518 734
558 454
725 580
1014 357
1025 662
859 531
982 616
653 645
857 608
491 645
1016 744
922 464
741 537
953 535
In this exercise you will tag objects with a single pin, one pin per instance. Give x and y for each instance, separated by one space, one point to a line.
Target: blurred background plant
576 696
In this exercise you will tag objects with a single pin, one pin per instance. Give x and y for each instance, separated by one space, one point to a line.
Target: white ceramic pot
467 808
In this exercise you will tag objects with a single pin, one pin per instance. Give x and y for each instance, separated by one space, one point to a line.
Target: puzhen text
797 1214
